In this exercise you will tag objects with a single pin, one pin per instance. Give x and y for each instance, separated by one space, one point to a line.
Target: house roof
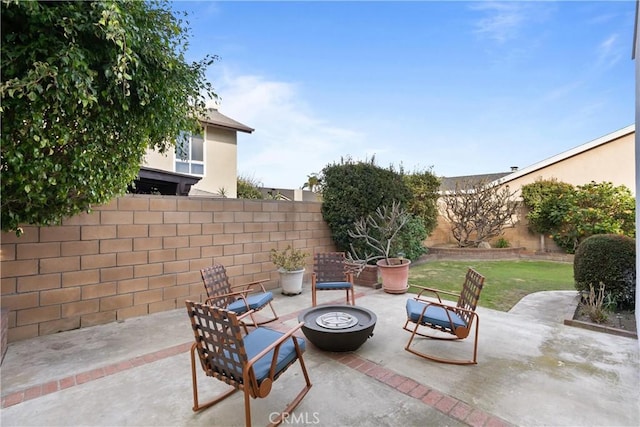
449 183
567 154
215 118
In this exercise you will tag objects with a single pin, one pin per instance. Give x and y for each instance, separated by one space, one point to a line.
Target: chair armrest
247 286
240 294
447 308
275 346
437 292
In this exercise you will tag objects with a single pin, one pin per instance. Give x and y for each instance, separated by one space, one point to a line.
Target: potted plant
378 232
290 263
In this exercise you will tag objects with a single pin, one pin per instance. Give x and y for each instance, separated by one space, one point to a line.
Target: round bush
610 259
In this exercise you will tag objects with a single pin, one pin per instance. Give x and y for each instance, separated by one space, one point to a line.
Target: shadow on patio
532 370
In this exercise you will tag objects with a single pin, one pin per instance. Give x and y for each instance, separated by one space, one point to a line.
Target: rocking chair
247 361
330 273
240 298
456 320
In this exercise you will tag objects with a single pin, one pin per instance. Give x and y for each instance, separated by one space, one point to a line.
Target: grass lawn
506 282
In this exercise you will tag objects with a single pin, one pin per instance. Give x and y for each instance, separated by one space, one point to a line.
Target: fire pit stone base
338 327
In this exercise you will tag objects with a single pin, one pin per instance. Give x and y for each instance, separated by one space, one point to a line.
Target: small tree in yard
86 88
478 210
571 214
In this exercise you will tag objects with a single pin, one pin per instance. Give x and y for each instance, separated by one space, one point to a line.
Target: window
190 154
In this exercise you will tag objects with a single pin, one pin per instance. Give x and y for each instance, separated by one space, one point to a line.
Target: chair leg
294 403
263 322
415 332
353 296
194 380
313 296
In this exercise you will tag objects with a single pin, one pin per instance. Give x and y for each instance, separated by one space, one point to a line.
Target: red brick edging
444 403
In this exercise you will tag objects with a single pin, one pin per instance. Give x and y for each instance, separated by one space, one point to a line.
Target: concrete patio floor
532 371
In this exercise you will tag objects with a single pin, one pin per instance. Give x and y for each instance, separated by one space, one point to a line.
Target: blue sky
460 87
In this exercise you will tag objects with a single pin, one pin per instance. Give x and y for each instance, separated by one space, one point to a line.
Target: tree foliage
248 188
571 214
478 210
352 190
424 186
86 88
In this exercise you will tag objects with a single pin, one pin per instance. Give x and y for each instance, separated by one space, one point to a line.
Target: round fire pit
337 327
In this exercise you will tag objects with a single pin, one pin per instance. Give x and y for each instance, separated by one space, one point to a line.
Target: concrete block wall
141 254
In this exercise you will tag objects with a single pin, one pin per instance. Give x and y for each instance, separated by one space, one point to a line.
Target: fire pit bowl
337 327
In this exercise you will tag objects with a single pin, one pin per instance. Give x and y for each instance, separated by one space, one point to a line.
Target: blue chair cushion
259 339
324 286
434 315
255 301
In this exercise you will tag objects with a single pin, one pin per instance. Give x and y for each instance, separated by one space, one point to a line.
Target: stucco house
610 158
210 159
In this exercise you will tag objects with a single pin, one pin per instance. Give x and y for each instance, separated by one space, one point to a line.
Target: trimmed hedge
610 259
352 190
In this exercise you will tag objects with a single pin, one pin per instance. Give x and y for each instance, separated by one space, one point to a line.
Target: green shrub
571 214
248 188
502 243
609 259
352 190
424 186
410 240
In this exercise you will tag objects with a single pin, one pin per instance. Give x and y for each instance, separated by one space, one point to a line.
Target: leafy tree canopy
571 214
86 88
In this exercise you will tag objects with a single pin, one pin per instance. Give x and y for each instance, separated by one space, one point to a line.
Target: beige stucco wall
221 162
220 165
611 162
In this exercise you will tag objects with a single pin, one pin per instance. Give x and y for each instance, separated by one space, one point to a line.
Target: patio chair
455 321
247 361
240 298
330 273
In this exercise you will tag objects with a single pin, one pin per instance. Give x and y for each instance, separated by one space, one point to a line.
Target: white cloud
290 142
609 51
502 20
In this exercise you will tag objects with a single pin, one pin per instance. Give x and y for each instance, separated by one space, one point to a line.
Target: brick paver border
444 403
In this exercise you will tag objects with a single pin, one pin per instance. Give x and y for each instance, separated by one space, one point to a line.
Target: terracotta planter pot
395 277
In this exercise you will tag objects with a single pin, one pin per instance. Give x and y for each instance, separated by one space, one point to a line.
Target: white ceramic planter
291 281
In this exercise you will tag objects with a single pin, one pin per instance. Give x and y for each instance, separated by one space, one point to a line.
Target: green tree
86 88
351 190
548 202
571 214
248 188
424 186
314 182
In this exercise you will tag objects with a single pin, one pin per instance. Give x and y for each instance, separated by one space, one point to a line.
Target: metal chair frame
464 308
221 294
220 347
331 267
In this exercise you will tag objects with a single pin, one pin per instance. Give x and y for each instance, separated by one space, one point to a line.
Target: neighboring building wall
221 159
142 254
518 236
612 162
220 164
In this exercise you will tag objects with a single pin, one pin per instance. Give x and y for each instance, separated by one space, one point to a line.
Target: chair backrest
470 294
329 266
219 341
216 283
